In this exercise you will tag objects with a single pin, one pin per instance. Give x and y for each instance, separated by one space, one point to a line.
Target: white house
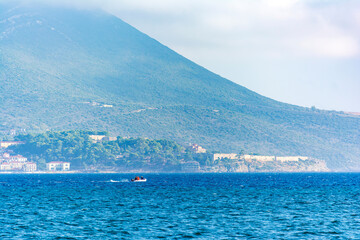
58 166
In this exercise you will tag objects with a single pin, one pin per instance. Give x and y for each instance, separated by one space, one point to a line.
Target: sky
303 52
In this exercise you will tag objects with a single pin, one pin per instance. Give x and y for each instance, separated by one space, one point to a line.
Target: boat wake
117 181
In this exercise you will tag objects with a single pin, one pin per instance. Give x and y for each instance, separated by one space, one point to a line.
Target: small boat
139 179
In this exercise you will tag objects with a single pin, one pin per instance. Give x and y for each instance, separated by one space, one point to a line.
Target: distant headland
89 151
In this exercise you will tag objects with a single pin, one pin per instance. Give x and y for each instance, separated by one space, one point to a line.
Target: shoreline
139 172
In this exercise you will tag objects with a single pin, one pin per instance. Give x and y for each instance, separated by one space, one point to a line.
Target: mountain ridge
59 66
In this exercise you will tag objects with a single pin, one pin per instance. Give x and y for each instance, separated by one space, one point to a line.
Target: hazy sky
305 52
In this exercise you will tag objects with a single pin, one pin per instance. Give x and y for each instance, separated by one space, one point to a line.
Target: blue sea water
180 206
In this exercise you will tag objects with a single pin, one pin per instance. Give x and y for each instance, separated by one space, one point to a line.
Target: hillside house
196 148
97 138
101 138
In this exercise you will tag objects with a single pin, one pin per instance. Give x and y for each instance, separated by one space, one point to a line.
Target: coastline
160 172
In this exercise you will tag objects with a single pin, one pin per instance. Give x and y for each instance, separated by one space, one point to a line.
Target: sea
180 206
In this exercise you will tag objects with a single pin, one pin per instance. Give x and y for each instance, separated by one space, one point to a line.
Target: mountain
63 69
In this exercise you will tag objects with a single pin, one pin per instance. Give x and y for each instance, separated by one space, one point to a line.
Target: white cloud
330 46
267 28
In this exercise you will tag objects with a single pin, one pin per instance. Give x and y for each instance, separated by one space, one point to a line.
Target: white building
5 166
58 166
196 148
96 138
30 167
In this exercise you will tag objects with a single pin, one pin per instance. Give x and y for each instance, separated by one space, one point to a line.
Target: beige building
259 157
291 158
58 166
274 158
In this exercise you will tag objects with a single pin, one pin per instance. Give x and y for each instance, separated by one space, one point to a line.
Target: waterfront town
19 163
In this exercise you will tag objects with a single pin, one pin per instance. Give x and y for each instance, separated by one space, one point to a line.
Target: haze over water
178 206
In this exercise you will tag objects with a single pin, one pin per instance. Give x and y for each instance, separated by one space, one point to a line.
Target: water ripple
180 206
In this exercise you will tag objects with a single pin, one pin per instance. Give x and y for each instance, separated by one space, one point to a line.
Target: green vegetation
137 154
123 154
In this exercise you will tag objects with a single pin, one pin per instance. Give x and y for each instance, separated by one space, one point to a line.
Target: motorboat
139 179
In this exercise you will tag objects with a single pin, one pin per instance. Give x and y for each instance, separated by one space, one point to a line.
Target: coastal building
5 166
196 148
6 144
16 163
30 167
16 166
58 166
274 158
259 158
